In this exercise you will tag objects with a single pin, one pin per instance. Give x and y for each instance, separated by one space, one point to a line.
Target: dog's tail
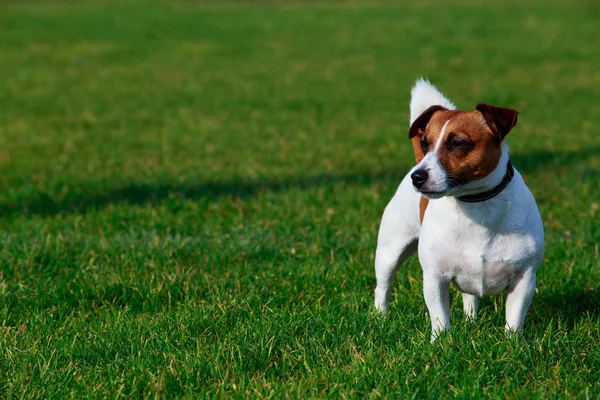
425 95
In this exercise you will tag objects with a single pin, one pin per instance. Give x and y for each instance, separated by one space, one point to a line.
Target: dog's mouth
433 194
452 184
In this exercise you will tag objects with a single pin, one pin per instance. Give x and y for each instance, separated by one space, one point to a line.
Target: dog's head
454 147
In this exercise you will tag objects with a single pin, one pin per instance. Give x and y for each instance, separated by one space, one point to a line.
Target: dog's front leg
470 305
520 294
435 289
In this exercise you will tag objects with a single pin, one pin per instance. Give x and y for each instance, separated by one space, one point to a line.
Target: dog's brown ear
501 120
418 127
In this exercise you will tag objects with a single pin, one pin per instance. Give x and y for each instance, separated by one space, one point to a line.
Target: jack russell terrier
466 210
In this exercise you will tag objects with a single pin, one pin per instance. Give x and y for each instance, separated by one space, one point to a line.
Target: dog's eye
459 144
424 145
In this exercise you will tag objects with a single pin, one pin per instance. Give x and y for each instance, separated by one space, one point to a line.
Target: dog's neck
492 180
494 212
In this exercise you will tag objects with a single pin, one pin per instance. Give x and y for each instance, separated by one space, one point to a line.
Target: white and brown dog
465 209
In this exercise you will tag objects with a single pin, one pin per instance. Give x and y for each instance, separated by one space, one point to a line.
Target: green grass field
190 195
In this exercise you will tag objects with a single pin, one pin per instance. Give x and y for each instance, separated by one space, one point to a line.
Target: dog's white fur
483 248
424 95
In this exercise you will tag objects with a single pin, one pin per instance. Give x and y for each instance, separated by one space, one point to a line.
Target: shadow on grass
569 305
136 194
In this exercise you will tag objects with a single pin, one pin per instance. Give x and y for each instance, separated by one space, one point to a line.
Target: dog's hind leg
387 261
398 238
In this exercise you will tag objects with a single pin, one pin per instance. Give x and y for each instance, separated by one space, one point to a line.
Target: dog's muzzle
419 177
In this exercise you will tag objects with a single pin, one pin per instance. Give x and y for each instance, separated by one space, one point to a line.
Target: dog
465 209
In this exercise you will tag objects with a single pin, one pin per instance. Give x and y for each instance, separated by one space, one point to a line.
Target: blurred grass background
191 191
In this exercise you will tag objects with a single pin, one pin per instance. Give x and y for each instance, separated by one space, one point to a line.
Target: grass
190 196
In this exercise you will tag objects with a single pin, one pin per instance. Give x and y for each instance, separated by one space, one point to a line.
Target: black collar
474 198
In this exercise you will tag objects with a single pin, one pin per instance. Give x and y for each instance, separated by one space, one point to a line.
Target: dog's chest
478 260
479 267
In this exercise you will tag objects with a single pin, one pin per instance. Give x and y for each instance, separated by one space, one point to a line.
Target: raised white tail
425 95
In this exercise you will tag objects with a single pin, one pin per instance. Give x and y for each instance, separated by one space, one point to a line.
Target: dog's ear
501 120
418 127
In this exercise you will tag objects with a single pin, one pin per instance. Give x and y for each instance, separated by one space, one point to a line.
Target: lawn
190 195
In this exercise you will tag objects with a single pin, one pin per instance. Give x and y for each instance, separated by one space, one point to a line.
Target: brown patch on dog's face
416 142
468 151
418 127
454 148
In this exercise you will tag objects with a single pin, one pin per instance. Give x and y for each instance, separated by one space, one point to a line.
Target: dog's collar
475 198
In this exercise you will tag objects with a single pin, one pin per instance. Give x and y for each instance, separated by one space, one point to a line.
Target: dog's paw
437 333
515 335
382 308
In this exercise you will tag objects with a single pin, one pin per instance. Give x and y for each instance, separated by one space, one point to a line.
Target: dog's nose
419 177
